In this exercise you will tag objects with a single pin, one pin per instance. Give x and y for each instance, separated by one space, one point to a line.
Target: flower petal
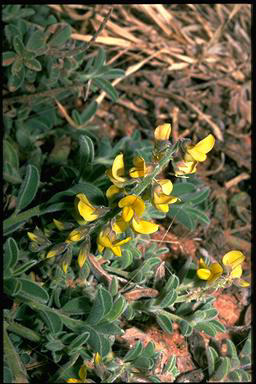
243 283
127 214
116 250
203 273
196 155
122 242
112 191
162 132
233 258
162 207
133 201
144 227
118 168
206 144
236 272
166 186
119 226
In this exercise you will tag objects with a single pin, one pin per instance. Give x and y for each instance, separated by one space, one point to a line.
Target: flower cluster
232 263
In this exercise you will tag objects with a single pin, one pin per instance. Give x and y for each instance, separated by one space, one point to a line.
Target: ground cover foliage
114 229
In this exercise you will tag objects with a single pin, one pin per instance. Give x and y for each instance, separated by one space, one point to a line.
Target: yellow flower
107 239
143 226
32 236
82 374
185 167
119 225
116 172
131 205
97 358
162 197
82 256
211 273
59 224
198 151
112 191
65 266
140 169
233 260
162 132
85 208
56 250
76 235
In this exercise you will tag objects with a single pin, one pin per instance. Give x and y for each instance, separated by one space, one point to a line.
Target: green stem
13 361
24 216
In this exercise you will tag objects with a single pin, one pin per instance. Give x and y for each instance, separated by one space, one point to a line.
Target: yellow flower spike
131 205
116 173
185 167
32 236
233 258
119 225
85 208
140 169
144 227
162 132
198 151
112 191
59 224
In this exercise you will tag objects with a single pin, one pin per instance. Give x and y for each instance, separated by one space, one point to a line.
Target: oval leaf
28 188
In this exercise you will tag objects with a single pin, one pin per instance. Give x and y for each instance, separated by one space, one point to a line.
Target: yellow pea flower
76 235
116 172
131 205
185 167
112 191
211 273
119 225
85 208
97 358
161 195
143 226
107 239
140 169
59 224
198 151
162 132
82 374
32 236
84 250
233 260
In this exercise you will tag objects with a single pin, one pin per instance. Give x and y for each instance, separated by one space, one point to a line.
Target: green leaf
143 363
108 328
36 41
77 306
10 154
218 325
28 188
33 291
134 353
180 214
206 327
24 267
185 328
113 287
101 307
172 283
112 73
149 350
16 81
89 111
106 86
33 64
200 196
8 58
164 322
211 313
117 309
247 348
168 299
181 188
94 194
199 215
11 174
245 376
126 259
222 369
18 45
62 34
12 286
97 341
54 345
17 66
86 154
52 320
79 341
235 376
212 357
99 60
11 254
